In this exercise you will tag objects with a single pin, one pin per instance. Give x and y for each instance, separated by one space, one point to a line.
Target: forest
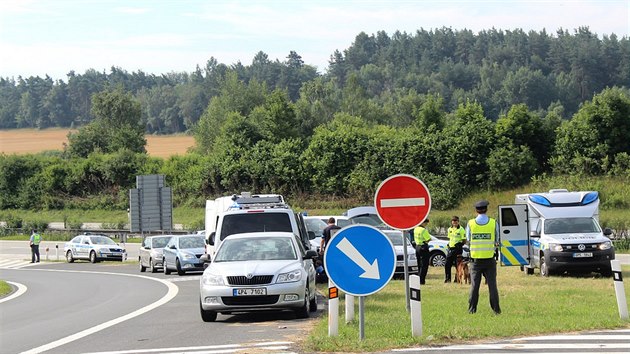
461 110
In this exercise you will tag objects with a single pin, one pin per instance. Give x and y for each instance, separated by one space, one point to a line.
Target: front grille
249 300
115 250
400 257
589 247
255 280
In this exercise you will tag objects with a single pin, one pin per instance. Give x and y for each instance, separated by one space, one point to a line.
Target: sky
53 37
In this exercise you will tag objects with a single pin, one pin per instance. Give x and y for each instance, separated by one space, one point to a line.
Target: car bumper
191 264
112 256
567 261
279 296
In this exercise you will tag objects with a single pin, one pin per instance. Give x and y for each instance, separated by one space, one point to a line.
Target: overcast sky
39 37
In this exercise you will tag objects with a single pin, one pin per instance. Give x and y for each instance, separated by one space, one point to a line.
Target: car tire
544 269
69 257
313 304
178 266
142 268
207 315
152 266
437 259
93 257
166 270
303 311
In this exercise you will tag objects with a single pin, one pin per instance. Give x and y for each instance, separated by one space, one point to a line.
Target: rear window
255 222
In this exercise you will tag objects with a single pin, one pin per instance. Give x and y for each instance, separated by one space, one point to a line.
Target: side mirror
310 254
534 234
311 235
607 231
211 238
147 247
172 247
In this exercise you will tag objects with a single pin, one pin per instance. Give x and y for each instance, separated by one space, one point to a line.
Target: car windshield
255 222
257 248
315 225
160 242
396 238
191 242
571 226
101 240
368 219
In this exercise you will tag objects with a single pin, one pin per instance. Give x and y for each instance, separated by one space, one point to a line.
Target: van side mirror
534 234
311 235
211 238
607 231
310 254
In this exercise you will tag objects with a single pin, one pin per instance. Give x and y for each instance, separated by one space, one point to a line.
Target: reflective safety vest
455 235
482 239
421 235
37 238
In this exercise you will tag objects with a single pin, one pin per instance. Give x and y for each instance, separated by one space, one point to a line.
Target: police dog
462 274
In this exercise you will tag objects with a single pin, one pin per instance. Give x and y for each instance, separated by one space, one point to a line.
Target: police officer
481 233
34 242
421 238
456 240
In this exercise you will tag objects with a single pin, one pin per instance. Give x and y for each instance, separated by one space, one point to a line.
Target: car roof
261 234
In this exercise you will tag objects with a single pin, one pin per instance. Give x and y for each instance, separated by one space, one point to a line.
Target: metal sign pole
361 318
405 258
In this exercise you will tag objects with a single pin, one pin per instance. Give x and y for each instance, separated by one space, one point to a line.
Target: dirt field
24 141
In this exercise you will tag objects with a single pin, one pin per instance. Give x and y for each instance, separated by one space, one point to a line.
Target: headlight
212 279
556 247
605 245
188 256
412 256
289 277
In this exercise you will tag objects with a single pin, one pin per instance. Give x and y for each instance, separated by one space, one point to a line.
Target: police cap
482 204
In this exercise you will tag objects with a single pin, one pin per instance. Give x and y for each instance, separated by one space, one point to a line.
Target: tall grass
530 305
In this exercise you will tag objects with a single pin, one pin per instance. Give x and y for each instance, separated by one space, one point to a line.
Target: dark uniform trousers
488 268
422 256
34 253
451 258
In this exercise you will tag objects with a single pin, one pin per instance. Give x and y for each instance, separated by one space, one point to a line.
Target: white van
556 232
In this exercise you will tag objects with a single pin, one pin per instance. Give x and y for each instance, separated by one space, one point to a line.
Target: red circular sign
402 201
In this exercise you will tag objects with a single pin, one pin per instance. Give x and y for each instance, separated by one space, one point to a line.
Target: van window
508 217
570 225
255 222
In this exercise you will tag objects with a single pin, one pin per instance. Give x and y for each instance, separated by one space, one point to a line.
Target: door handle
506 231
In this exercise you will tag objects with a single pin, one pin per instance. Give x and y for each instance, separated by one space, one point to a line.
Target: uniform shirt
35 240
421 235
482 219
456 235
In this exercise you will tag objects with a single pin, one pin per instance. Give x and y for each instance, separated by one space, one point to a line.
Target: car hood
200 250
252 267
579 237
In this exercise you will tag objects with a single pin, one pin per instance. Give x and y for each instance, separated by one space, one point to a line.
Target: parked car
93 247
182 253
151 252
315 227
340 220
259 271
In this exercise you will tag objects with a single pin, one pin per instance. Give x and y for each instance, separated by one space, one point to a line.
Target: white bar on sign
402 202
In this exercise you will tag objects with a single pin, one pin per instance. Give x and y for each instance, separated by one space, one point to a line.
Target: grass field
21 141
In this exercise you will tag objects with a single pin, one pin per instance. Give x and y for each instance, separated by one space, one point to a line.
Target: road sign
360 260
402 201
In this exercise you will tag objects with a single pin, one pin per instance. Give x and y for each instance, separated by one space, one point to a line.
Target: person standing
34 243
481 233
421 238
327 234
456 240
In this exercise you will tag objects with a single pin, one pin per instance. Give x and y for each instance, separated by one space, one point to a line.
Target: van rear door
514 235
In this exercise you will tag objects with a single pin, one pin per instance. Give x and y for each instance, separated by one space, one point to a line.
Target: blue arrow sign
360 260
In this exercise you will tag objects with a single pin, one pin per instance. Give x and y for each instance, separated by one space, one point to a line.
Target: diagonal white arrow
370 270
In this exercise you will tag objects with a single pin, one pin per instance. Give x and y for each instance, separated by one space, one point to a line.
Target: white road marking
403 202
225 348
14 264
175 280
172 292
21 289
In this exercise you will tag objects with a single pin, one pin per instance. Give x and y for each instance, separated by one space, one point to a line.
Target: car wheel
92 257
166 270
152 266
207 315
69 257
437 259
313 304
544 270
142 268
178 266
304 310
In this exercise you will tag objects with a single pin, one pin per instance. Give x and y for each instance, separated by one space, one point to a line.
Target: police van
556 231
247 213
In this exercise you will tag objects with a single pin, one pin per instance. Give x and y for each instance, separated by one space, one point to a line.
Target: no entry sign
402 201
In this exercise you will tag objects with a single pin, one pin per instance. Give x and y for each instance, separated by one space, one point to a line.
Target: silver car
259 271
94 248
151 252
182 253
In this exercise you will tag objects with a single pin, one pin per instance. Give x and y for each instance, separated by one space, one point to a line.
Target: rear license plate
249 292
583 255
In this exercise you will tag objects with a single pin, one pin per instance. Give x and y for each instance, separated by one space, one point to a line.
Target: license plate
249 291
583 255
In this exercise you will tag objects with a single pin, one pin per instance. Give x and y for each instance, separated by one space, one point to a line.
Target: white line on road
224 348
172 292
21 289
402 202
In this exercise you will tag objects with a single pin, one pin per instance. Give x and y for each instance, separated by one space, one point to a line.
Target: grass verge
531 305
5 288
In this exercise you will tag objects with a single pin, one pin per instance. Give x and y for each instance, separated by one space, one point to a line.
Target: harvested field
28 141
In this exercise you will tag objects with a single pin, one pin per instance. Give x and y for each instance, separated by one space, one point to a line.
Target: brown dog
462 274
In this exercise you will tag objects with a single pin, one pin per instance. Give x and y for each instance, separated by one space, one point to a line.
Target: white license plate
249 292
583 255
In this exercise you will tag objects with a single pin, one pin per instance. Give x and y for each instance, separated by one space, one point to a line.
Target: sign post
360 260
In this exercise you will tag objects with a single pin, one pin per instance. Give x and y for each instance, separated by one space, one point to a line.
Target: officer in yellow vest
421 239
481 233
34 242
456 240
